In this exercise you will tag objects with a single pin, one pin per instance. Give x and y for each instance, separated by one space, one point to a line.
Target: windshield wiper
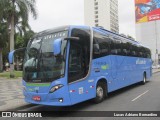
41 62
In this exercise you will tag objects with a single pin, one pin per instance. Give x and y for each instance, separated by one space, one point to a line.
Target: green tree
3 42
29 34
22 40
15 12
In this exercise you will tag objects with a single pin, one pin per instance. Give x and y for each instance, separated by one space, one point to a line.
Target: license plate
36 98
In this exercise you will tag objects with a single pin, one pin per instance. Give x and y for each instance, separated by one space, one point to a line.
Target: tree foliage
3 35
20 9
14 16
22 41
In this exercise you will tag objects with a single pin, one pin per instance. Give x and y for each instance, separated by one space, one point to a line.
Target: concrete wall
104 15
148 33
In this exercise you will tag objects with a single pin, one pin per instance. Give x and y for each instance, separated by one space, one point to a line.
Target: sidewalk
155 70
11 93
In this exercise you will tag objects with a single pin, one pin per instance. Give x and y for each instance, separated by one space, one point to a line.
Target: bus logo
140 62
104 67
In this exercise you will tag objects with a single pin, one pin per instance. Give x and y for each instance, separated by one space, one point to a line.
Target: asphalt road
133 98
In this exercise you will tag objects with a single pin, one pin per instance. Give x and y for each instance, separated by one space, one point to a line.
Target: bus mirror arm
11 54
58 43
72 38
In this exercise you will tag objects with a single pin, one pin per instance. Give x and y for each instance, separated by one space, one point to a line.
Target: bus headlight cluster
53 89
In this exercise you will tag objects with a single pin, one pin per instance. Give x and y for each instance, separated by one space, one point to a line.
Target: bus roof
104 30
50 31
67 27
132 40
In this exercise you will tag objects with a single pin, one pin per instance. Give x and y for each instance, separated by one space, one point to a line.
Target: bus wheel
144 79
100 92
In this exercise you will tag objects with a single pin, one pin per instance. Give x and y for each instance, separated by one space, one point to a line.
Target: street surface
133 98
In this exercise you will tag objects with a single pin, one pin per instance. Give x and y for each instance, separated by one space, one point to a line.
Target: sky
54 13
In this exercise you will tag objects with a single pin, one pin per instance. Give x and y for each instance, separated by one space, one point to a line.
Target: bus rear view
72 64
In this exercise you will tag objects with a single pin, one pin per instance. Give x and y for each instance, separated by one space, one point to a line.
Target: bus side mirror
96 49
11 54
58 43
57 46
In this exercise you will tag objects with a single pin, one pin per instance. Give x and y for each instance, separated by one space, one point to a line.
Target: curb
156 72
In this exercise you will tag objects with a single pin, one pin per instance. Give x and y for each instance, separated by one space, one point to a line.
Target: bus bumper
51 99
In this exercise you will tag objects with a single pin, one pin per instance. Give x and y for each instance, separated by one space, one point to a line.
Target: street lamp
1 59
156 54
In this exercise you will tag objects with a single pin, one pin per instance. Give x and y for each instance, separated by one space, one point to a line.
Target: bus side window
116 48
124 48
129 49
148 52
135 50
140 51
145 50
103 43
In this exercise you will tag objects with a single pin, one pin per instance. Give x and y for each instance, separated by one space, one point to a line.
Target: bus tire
100 92
144 79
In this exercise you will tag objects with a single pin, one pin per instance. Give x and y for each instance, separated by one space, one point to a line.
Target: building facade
102 13
147 13
148 33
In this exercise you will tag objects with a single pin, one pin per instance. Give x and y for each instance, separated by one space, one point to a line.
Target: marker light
61 100
53 89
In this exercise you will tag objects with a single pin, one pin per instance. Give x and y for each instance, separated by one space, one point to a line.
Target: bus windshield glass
40 64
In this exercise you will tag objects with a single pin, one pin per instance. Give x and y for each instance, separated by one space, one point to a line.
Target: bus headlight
53 89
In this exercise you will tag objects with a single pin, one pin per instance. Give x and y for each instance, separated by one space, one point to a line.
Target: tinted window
116 48
103 43
79 58
126 48
116 45
76 62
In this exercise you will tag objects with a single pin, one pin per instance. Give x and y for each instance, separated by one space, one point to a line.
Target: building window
96 8
96 3
96 12
96 21
96 16
96 25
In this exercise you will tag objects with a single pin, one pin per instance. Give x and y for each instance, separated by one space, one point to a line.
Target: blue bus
71 64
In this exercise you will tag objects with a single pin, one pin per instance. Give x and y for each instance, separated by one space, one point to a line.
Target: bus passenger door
77 70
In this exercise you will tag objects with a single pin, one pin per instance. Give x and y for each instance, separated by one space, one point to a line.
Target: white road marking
140 95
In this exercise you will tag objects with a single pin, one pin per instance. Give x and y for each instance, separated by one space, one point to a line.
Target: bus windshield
40 64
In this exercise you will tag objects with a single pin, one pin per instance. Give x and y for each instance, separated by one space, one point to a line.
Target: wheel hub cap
99 92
